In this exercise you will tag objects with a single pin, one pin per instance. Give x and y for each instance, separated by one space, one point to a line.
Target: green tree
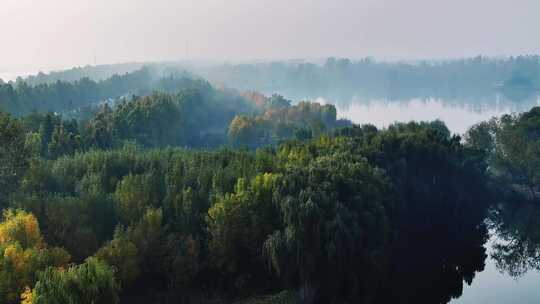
334 242
512 144
135 194
517 153
238 224
14 156
63 142
123 256
277 102
89 283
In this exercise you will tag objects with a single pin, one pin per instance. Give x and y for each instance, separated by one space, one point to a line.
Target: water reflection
518 94
516 248
462 263
433 268
458 114
512 273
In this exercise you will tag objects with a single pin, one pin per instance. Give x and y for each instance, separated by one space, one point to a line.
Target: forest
342 79
166 189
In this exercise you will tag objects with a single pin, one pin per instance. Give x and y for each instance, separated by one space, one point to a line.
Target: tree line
342 79
20 98
177 110
23 97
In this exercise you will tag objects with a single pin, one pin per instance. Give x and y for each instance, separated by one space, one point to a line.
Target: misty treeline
342 79
23 97
20 98
176 110
96 73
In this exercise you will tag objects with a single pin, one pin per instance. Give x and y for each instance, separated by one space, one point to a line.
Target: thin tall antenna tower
187 50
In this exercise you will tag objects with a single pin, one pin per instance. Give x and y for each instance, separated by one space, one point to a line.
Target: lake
493 285
458 115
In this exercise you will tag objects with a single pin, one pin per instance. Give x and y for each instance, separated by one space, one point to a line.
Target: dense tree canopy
281 121
14 155
332 217
512 143
333 243
21 98
87 283
315 210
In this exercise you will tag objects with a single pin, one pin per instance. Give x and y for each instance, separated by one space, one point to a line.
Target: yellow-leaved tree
23 254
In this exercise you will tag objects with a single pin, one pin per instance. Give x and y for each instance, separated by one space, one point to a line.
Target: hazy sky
42 34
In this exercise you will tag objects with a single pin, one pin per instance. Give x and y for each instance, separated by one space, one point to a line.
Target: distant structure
187 50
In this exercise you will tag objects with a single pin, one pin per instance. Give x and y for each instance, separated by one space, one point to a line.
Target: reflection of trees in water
432 267
476 104
518 94
516 248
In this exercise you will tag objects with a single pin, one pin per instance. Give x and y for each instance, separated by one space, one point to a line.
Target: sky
53 34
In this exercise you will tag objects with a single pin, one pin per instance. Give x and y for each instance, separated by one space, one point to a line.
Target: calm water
493 285
458 115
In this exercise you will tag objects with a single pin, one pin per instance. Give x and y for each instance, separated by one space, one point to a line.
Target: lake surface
493 285
458 115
